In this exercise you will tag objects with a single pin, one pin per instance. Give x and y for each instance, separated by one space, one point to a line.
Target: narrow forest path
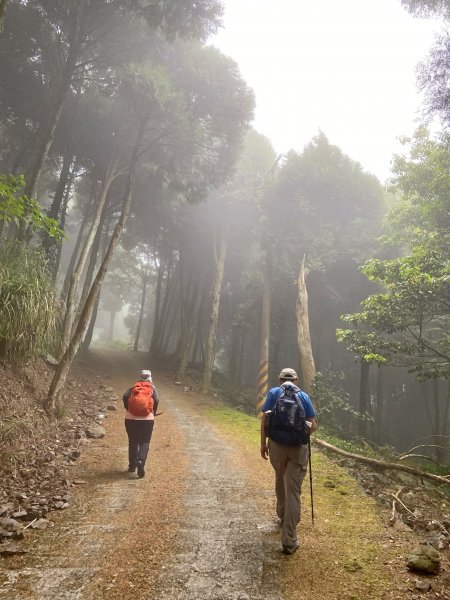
200 525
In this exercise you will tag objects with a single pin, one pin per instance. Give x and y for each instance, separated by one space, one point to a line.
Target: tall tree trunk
169 294
188 341
307 365
49 244
73 258
3 4
379 425
112 321
238 378
236 335
87 339
61 372
153 350
437 408
198 344
214 318
95 255
62 224
76 275
55 207
167 332
263 374
141 309
445 427
364 397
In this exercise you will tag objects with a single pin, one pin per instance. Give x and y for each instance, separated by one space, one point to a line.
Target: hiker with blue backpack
288 420
141 403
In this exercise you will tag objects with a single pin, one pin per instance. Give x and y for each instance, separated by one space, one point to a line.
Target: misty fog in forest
144 212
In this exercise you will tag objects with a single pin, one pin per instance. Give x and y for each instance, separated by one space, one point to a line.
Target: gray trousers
290 464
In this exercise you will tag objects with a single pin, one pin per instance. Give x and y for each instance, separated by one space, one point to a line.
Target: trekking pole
310 481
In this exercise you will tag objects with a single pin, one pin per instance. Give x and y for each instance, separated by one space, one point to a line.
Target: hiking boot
131 469
290 549
140 469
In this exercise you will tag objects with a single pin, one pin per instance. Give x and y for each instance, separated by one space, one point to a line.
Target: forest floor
201 524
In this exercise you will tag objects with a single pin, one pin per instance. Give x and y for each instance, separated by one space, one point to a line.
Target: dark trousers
139 436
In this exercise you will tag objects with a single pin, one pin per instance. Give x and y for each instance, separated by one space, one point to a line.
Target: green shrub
28 306
333 404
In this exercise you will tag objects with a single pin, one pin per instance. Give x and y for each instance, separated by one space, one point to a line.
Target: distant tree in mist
427 8
434 71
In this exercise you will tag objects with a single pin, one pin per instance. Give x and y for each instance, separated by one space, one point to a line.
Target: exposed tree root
384 464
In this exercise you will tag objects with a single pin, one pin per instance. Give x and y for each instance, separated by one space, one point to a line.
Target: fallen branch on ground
394 506
403 456
397 499
384 464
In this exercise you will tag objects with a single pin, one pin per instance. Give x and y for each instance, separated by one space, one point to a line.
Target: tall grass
28 305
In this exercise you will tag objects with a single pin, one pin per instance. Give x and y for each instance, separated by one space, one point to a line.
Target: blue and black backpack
287 424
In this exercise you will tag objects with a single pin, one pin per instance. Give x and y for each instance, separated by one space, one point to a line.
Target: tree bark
73 257
307 365
383 464
364 397
62 224
87 339
60 376
445 424
55 209
3 4
96 254
76 275
141 310
187 342
380 405
112 321
169 295
198 344
154 342
214 318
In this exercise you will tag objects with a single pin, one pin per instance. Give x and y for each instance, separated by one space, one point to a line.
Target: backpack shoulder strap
300 395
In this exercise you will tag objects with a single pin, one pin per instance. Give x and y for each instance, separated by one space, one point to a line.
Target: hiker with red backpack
288 420
141 403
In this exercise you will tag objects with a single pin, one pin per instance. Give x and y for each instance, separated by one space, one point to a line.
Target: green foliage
407 323
334 408
20 209
357 446
28 306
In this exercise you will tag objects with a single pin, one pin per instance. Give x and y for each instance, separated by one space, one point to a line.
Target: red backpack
140 402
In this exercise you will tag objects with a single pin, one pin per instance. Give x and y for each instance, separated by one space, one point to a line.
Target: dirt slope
200 524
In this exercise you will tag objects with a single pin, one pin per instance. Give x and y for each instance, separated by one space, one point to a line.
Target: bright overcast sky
346 67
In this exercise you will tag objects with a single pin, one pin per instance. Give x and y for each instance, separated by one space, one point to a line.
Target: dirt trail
200 525
119 537
221 552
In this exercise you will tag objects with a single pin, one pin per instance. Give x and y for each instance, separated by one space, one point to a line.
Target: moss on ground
350 552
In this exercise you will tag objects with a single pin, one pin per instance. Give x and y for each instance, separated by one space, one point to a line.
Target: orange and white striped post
263 374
